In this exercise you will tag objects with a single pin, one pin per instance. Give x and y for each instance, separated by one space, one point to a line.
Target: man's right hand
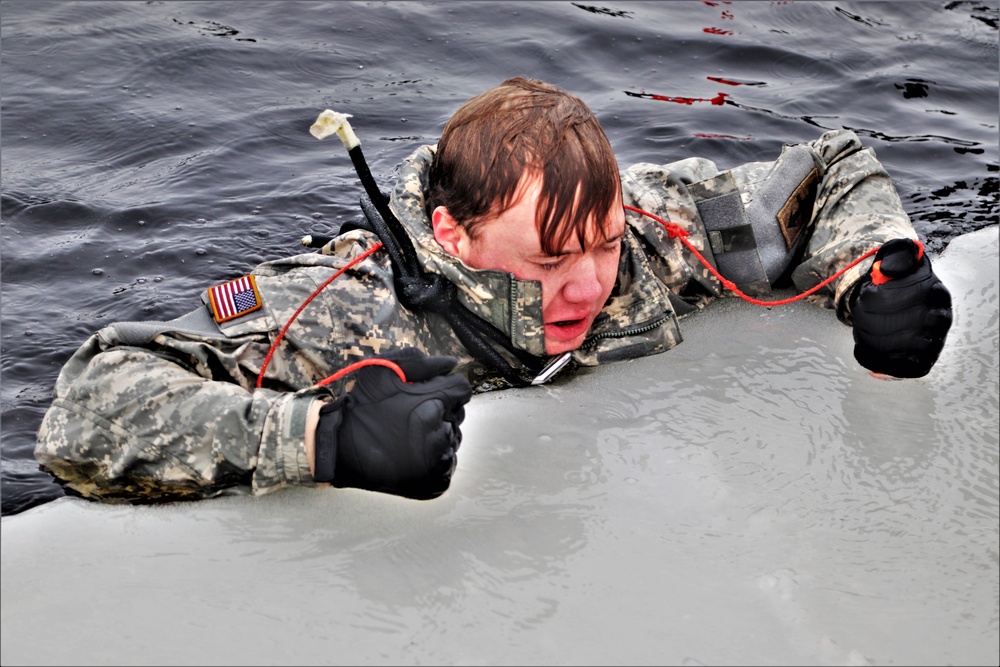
392 436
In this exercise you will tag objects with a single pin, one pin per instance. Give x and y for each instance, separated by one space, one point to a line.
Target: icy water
150 149
751 497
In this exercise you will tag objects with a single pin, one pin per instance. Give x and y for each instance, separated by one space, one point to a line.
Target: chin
558 347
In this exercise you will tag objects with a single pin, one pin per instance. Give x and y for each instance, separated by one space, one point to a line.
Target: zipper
624 333
512 303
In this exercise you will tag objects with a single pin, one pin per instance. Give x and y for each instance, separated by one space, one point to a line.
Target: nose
582 284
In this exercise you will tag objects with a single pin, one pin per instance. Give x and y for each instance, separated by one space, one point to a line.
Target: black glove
395 437
901 311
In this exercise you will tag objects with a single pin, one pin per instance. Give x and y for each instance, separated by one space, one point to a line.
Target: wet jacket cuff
282 459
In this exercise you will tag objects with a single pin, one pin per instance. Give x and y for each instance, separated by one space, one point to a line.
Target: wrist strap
325 452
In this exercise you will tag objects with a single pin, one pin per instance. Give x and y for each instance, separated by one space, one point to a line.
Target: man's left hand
902 312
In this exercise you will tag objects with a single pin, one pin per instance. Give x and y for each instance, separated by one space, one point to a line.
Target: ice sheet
751 497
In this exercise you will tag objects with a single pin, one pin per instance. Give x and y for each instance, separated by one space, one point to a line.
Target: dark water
150 149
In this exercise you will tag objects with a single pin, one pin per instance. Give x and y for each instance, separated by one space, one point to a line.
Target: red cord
674 231
373 361
347 369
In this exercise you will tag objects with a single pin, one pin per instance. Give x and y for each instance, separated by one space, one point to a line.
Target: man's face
575 283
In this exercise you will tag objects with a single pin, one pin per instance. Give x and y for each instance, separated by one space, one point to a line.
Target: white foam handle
330 122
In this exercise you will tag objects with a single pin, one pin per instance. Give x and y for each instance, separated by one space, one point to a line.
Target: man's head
524 181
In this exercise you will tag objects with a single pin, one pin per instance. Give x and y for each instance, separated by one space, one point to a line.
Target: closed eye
613 244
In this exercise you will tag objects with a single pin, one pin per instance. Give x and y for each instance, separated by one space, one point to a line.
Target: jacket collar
638 301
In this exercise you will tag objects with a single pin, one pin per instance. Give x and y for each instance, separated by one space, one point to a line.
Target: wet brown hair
524 124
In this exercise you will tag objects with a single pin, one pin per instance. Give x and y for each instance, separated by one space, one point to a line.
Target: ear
448 233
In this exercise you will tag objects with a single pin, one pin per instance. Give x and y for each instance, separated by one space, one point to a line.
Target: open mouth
565 330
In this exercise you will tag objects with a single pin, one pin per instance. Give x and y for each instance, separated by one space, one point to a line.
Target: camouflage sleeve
857 208
663 191
137 423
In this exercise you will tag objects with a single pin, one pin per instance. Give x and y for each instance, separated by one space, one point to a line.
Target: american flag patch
235 298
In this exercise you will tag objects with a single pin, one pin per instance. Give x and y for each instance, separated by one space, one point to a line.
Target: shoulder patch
234 299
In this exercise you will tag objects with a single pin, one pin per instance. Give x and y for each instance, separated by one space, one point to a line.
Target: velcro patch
234 299
796 214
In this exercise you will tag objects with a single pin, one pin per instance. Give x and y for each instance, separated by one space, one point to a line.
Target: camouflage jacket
170 410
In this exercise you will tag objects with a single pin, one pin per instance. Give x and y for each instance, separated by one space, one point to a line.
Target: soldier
511 251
